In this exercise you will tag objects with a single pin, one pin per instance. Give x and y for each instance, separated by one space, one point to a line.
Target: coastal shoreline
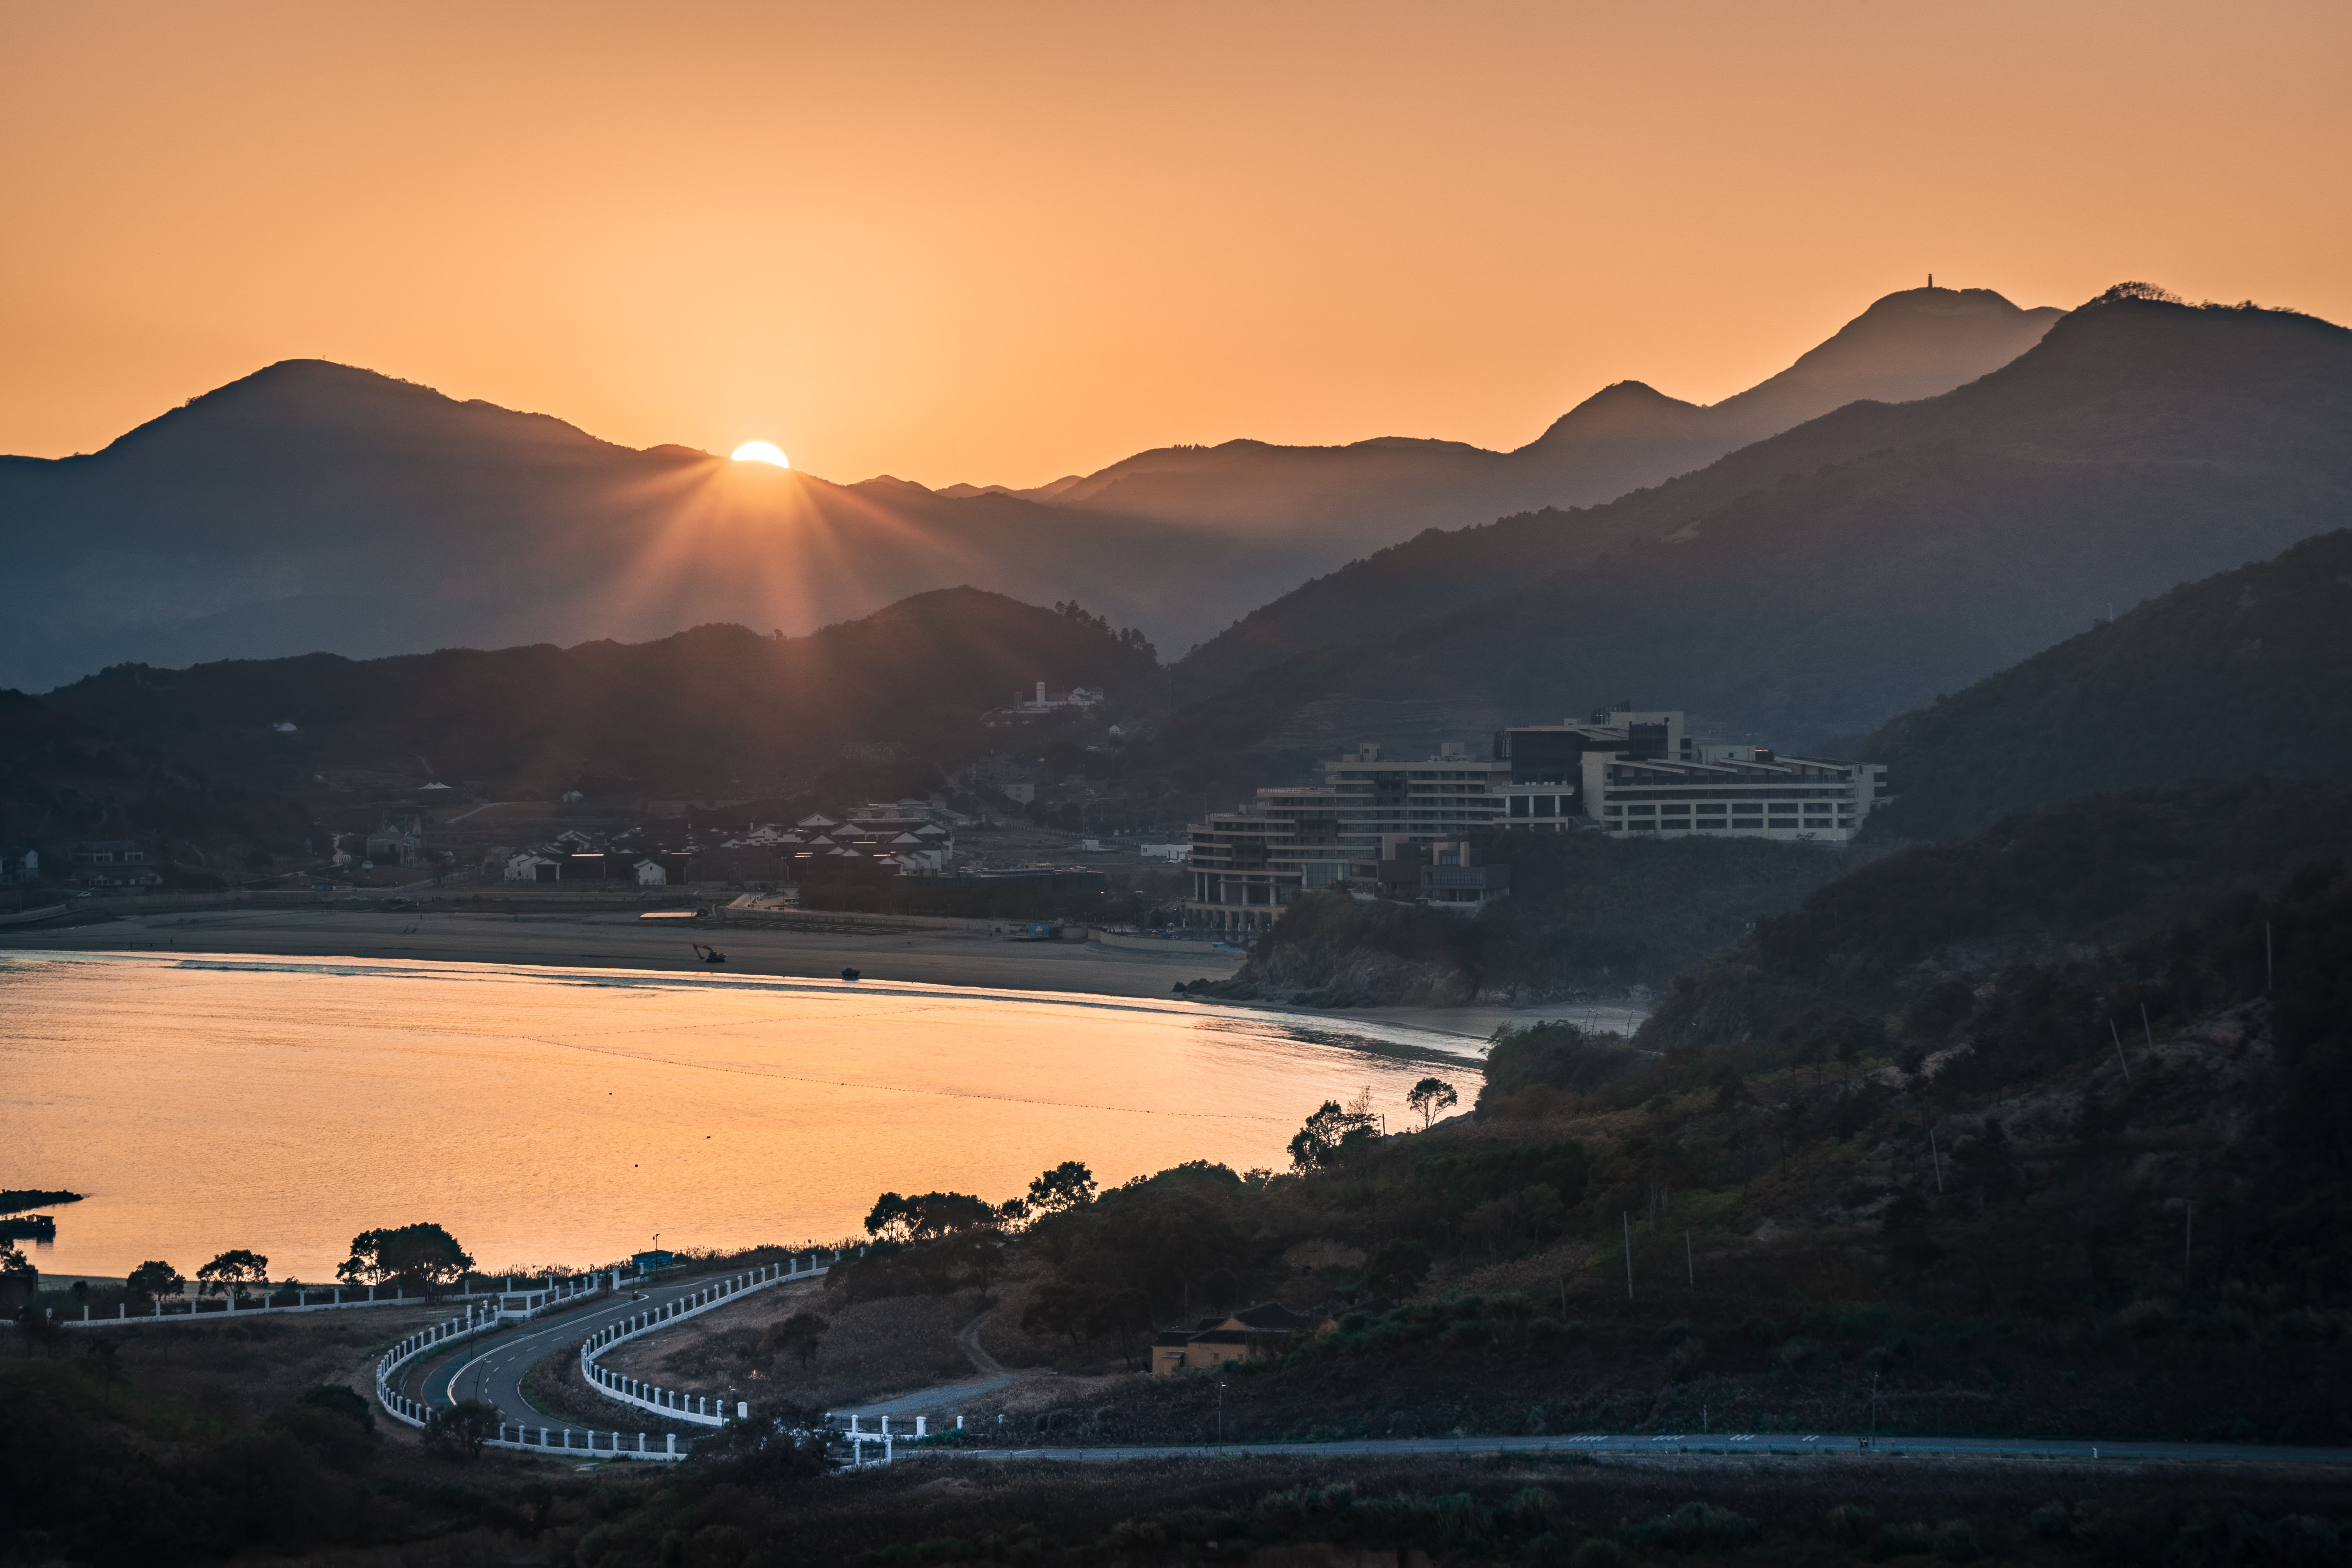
618 939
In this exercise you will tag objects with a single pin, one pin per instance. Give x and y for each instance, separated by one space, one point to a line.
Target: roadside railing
703 1410
418 1413
551 1291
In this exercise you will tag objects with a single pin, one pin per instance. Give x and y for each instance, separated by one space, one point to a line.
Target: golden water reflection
566 1117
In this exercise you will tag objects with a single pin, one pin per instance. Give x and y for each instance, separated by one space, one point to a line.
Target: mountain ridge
2139 445
316 506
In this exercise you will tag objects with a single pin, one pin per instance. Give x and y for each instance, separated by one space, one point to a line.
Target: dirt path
948 1397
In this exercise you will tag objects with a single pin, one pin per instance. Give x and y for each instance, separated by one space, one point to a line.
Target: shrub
1913 1540
1851 1523
1693 1527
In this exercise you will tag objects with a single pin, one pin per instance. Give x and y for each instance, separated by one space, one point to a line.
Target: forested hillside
707 710
1818 582
1913 933
62 780
2244 672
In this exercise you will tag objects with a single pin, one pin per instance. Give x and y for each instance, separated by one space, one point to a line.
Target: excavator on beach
708 954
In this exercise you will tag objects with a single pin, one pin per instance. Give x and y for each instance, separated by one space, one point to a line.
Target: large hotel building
1403 826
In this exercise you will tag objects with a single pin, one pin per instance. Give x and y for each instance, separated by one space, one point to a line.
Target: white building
1631 774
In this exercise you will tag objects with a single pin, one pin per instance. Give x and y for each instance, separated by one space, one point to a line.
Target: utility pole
1627 1221
1220 1412
1936 1155
2119 1052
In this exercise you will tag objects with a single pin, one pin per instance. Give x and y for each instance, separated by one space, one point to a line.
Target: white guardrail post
702 1410
194 1306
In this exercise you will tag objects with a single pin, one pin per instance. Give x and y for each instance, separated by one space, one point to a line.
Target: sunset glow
1306 223
761 452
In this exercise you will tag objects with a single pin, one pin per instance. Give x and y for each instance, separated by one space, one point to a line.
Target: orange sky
1003 242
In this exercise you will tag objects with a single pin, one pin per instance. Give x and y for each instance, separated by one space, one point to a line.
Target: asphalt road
495 1371
1725 1445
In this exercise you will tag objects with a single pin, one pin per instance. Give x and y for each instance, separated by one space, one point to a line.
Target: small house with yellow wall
1253 1333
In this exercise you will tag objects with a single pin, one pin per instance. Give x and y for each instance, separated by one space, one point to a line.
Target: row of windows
1738 824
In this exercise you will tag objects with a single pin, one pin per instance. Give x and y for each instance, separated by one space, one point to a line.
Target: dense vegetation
1588 916
63 780
1814 583
2085 872
719 710
2248 671
1972 1218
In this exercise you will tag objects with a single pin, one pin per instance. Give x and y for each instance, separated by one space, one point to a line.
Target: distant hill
1919 927
2244 672
1914 344
317 507
714 709
63 780
1818 582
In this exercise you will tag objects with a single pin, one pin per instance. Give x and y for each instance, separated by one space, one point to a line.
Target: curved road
494 1371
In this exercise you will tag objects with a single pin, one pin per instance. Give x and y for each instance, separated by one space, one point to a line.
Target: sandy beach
620 940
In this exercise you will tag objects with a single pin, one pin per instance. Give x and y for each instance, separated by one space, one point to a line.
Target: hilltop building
1040 704
1628 773
1400 830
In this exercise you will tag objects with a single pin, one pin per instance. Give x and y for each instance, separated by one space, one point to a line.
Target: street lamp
1220 1412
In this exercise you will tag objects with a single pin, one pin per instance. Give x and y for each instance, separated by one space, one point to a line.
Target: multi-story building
1372 822
1628 774
1246 865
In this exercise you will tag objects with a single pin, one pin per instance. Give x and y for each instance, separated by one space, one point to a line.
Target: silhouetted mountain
1910 344
312 506
1817 583
716 709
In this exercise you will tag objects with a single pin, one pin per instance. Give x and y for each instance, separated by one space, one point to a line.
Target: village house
113 863
1253 1333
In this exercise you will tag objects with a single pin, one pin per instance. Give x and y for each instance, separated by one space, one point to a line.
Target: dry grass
872 1349
252 1366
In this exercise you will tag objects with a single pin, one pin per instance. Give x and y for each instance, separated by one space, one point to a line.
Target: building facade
1387 825
1247 865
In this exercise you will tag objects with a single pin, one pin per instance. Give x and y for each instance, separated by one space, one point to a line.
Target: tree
1060 1306
41 1332
1328 1134
1398 1268
423 1254
1067 1185
469 1424
778 1444
18 1278
153 1278
1428 1097
231 1272
798 1335
925 1216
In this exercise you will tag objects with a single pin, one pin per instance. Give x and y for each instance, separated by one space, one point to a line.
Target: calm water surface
564 1117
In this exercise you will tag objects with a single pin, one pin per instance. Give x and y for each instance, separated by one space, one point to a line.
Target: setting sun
761 452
